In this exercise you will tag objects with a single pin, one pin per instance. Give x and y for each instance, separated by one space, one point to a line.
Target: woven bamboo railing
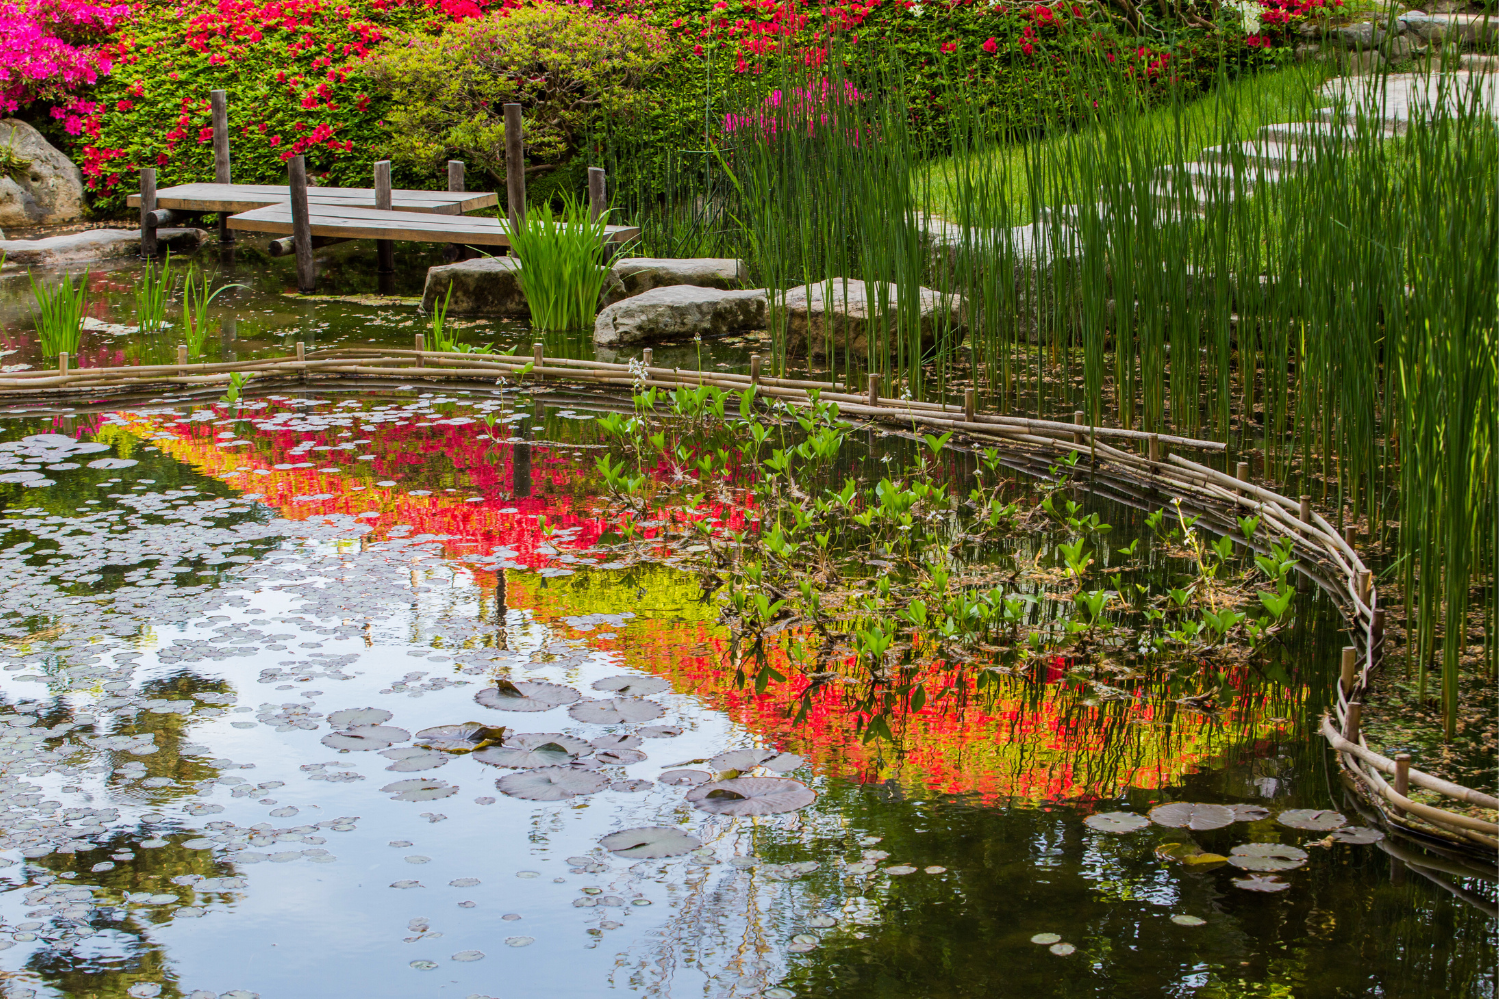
1328 559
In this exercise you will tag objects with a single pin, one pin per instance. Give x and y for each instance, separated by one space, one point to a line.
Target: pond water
200 598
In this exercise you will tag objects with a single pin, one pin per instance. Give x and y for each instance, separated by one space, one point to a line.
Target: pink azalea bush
49 50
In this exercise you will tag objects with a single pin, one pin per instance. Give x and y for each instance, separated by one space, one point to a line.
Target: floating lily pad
526 695
550 784
1250 813
1116 822
1357 835
1267 857
661 731
1184 920
633 686
112 463
1314 819
409 759
1188 853
633 786
1062 949
1192 815
900 869
462 738
783 763
751 796
366 737
1265 883
619 757
651 842
1046 939
468 955
352 717
528 750
419 789
604 742
741 759
616 711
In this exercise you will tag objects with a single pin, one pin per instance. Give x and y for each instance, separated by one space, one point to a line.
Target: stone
93 244
1363 35
635 275
679 311
484 286
848 318
38 184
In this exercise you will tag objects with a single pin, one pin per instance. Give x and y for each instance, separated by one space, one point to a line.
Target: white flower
1249 14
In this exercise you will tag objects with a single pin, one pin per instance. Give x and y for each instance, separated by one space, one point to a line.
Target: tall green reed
153 289
564 264
59 313
198 294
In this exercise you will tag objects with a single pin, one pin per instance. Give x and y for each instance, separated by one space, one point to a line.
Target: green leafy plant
153 289
563 269
59 313
198 294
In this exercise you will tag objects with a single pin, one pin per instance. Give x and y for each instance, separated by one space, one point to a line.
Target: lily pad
112 463
366 737
1046 939
462 738
1062 949
1184 920
633 686
526 695
1314 819
1192 815
1267 857
651 842
616 711
783 763
529 750
604 742
419 789
751 796
409 759
550 784
1357 835
1265 883
741 759
632 786
619 757
351 717
1116 822
661 731
1250 813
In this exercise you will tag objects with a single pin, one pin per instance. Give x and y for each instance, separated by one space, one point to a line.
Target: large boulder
850 316
93 244
635 275
679 311
484 286
38 184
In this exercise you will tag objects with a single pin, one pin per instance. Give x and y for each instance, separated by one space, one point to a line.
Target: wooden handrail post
1078 419
1155 447
1347 669
182 359
1403 774
970 404
646 356
598 202
148 206
515 166
874 389
538 357
1305 515
421 345
755 363
1376 640
1242 471
385 249
62 362
454 251
1348 535
1350 726
301 225
218 101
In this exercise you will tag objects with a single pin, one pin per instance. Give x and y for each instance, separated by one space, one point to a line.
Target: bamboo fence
1138 480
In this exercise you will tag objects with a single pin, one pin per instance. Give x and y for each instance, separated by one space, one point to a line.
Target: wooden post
222 174
1078 419
646 356
515 166
148 205
301 351
1350 728
598 202
1348 535
1376 640
538 357
62 362
385 249
755 370
1403 774
454 251
1155 447
1361 584
1306 509
874 389
970 404
421 345
301 225
1348 669
182 358
1243 471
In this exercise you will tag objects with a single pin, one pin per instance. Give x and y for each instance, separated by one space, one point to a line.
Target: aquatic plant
153 289
198 294
59 313
442 339
564 264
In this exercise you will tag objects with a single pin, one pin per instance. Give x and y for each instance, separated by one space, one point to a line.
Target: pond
229 631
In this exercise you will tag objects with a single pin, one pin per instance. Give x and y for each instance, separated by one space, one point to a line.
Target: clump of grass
198 294
443 340
59 317
563 265
152 291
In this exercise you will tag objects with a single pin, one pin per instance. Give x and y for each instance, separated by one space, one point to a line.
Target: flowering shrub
294 70
810 106
44 50
570 68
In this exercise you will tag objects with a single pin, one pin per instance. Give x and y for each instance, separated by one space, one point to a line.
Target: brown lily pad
1312 819
1192 815
751 796
1267 857
1262 883
550 784
526 695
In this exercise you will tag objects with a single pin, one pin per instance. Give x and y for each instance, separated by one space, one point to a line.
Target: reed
564 264
59 313
198 294
153 289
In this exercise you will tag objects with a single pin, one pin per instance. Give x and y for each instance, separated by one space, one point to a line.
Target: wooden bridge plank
370 223
234 198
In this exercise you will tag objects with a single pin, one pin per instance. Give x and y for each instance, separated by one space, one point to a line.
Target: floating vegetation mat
388 696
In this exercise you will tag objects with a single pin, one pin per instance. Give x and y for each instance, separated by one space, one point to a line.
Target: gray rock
43 186
636 275
679 311
93 244
1364 35
484 286
850 316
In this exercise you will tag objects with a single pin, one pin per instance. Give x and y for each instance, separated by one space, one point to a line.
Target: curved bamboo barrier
1136 480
